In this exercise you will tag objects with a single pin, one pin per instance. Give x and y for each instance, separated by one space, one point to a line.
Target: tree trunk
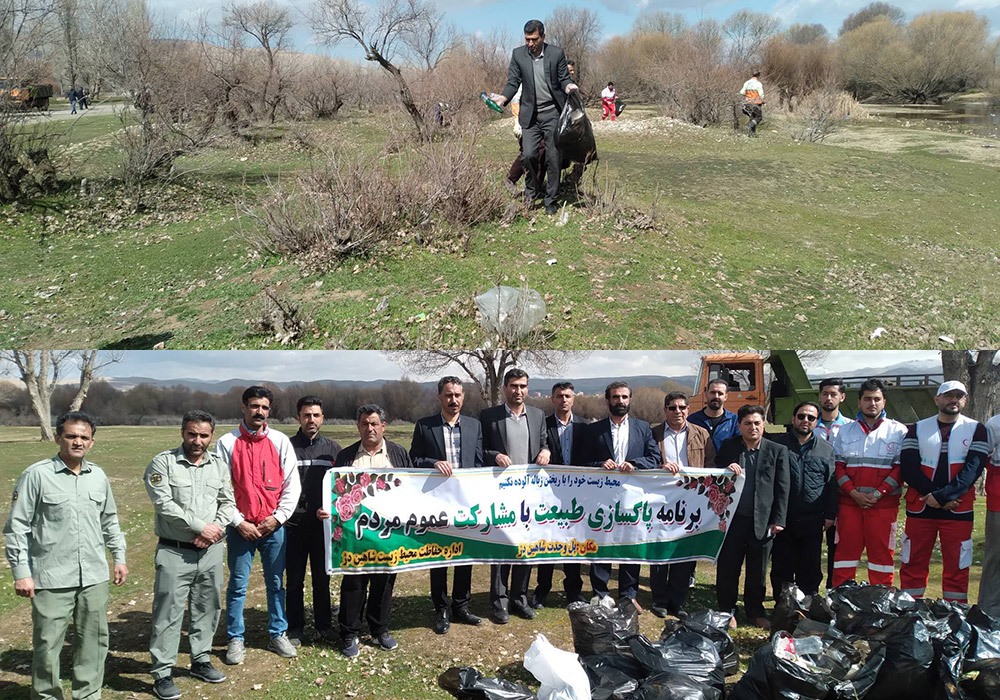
87 359
404 94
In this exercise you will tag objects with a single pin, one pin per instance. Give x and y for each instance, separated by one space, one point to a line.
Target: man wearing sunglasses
682 444
812 504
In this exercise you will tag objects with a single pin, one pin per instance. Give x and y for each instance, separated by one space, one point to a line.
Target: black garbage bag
685 652
950 649
792 606
467 683
869 610
985 683
985 646
613 676
674 686
860 679
619 107
575 134
601 630
908 668
785 669
714 625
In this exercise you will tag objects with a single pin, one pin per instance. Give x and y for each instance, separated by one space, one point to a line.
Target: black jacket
812 485
771 486
427 445
316 458
579 441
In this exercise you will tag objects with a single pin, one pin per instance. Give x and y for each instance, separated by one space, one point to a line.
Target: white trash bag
510 312
560 672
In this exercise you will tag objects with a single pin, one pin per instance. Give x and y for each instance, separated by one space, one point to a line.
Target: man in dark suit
513 433
759 516
540 70
682 444
625 444
447 441
565 434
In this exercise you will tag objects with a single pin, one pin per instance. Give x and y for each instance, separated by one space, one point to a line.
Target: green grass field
320 671
763 242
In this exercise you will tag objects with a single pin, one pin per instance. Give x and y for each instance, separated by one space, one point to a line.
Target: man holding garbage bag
539 69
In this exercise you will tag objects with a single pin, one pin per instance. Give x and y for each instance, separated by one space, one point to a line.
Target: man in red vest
941 460
263 467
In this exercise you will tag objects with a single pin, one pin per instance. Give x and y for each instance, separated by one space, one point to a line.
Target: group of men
261 492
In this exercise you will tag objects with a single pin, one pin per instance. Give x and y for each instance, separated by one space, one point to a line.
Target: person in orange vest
753 100
941 459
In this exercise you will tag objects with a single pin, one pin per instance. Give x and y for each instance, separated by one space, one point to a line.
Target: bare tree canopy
41 371
577 31
979 371
381 29
672 23
485 367
806 33
747 31
270 26
870 13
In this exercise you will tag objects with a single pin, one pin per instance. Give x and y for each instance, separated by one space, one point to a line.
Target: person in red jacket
941 460
867 472
989 592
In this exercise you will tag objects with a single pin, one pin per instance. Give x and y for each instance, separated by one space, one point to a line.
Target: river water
977 117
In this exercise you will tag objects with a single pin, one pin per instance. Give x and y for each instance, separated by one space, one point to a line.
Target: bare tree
24 26
429 38
270 26
577 31
69 23
485 367
660 23
491 54
870 13
42 370
806 33
747 31
979 371
380 30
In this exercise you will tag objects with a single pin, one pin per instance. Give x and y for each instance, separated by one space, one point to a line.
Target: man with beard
720 423
619 443
305 537
867 453
941 459
565 431
266 486
513 433
758 518
192 504
368 596
447 441
812 504
681 445
832 393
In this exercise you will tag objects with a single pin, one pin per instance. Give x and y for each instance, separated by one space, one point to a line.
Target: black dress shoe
522 611
551 209
659 611
441 622
537 603
463 616
500 617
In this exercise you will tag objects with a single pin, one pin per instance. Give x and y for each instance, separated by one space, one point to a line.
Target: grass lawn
319 671
758 243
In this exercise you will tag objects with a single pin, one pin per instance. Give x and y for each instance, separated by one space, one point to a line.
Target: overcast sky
306 365
616 16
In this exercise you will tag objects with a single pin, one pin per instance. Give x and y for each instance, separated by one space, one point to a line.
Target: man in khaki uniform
192 502
62 516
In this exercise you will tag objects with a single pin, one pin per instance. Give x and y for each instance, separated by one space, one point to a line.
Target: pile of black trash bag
874 642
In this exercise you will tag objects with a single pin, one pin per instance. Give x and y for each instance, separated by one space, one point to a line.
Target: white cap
952 385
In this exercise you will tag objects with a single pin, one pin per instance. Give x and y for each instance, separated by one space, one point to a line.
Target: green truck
779 382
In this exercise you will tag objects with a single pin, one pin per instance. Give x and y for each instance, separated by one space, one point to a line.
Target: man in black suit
540 70
565 434
513 433
625 444
759 516
447 441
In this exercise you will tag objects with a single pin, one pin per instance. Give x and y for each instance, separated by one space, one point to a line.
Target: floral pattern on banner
717 489
350 490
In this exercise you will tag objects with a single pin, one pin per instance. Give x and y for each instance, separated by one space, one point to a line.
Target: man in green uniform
192 501
62 516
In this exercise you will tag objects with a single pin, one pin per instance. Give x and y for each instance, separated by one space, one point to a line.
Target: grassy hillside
763 242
